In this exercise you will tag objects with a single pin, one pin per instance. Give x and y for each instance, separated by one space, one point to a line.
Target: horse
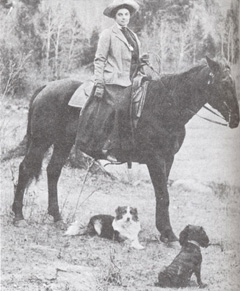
171 101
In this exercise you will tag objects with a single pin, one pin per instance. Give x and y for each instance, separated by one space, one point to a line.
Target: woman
104 128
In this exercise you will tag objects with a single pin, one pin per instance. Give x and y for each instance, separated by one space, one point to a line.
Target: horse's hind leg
29 168
60 153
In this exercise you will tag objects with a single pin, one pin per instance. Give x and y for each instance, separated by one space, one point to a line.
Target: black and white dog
125 226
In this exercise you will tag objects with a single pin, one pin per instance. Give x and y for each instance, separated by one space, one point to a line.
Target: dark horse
170 103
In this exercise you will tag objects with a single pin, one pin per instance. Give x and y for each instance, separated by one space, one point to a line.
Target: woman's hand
99 91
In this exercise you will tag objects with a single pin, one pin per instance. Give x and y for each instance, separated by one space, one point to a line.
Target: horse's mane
184 76
181 86
180 89
191 73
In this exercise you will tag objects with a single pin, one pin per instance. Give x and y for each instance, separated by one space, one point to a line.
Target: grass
39 257
114 266
223 190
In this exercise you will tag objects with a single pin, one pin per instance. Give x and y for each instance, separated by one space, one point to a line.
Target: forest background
44 40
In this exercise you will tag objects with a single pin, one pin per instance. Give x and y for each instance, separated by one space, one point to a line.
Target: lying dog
187 262
125 226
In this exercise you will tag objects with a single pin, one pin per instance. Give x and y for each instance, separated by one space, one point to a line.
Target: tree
231 48
90 48
19 47
26 32
209 47
198 36
33 5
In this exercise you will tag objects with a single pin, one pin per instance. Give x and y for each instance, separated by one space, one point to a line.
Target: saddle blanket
82 94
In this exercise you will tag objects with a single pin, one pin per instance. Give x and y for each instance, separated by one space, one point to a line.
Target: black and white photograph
120 145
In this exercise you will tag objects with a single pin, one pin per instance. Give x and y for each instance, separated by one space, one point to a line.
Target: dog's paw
137 246
140 247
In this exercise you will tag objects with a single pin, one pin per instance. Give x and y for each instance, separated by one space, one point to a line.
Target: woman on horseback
104 128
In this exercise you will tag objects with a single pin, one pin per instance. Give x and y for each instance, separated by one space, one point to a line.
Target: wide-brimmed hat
112 8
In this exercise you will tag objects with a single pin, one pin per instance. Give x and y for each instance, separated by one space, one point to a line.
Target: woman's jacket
113 58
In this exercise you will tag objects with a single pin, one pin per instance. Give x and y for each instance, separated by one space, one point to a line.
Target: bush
13 69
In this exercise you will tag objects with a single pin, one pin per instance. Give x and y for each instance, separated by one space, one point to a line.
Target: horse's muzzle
234 120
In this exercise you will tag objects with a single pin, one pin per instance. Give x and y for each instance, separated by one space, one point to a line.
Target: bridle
210 120
204 106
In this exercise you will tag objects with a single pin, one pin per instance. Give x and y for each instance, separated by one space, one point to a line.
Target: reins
210 120
194 113
213 121
209 109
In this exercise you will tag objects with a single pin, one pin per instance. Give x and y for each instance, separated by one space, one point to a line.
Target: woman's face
122 17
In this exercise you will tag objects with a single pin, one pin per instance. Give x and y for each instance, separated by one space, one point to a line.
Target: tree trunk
48 45
57 72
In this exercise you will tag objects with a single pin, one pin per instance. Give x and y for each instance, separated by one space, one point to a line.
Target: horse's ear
214 66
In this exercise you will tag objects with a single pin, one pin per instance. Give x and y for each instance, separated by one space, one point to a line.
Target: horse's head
223 96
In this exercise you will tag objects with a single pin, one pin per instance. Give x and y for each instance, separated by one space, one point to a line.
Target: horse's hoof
61 225
168 237
163 239
20 223
202 285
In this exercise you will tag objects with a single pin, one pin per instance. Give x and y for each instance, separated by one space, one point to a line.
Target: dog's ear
118 210
134 211
183 236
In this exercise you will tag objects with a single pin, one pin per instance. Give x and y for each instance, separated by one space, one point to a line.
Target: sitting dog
124 226
187 262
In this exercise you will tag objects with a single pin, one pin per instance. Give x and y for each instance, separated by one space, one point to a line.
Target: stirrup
111 159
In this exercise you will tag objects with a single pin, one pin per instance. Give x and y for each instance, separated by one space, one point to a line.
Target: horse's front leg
59 156
159 171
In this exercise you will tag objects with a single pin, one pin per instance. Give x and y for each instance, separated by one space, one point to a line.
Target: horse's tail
23 146
27 136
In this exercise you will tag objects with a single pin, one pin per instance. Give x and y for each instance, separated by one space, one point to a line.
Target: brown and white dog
188 261
125 226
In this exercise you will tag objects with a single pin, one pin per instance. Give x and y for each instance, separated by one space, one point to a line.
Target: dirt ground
204 189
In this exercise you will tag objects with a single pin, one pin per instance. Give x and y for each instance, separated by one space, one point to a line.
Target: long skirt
104 123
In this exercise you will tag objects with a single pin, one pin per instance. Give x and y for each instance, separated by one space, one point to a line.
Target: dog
188 261
125 226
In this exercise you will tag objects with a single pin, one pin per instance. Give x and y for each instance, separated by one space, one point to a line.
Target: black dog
188 261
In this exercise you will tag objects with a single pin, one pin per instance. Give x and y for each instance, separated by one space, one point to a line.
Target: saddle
138 95
82 97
